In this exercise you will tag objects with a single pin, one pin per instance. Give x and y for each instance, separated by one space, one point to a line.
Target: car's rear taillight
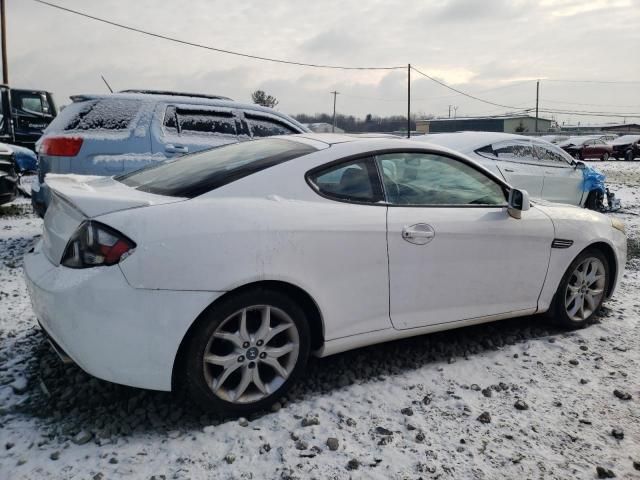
61 146
94 244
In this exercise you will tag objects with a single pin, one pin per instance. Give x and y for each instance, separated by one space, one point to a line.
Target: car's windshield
193 175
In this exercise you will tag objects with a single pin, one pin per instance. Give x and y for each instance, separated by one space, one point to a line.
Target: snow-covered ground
513 399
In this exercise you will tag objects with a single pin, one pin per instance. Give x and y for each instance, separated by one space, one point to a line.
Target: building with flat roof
506 124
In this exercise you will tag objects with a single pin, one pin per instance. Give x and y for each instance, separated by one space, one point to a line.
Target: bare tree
261 98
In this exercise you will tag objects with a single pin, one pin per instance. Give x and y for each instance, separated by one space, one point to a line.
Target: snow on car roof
468 141
174 99
625 139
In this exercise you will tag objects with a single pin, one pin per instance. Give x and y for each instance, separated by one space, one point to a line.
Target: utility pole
333 127
3 30
455 111
537 100
408 100
450 110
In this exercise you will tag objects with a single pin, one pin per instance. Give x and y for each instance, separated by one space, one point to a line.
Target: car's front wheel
246 352
582 290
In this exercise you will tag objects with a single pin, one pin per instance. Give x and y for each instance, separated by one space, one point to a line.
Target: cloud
478 46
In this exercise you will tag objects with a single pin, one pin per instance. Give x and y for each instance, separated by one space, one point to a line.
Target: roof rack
177 94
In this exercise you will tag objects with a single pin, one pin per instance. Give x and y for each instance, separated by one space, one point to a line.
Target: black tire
628 156
193 374
558 311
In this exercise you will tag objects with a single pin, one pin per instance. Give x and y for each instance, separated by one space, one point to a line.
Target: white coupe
222 271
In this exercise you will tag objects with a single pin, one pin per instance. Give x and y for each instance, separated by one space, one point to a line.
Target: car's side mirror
518 202
580 166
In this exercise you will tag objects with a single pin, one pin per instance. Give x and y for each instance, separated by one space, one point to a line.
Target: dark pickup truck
24 114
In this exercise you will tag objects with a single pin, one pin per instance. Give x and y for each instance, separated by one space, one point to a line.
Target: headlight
618 225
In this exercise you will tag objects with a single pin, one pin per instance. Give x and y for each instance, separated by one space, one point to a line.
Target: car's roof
468 141
186 100
335 138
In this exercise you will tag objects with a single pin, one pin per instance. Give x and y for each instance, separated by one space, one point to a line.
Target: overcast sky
495 49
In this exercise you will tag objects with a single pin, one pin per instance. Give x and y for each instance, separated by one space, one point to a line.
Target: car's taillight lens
61 146
94 245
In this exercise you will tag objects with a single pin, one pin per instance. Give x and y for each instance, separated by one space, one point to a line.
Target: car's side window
206 122
262 126
170 122
355 180
511 151
435 180
551 155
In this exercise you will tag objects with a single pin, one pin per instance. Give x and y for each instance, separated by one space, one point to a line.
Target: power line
207 47
616 82
548 100
591 114
440 97
460 91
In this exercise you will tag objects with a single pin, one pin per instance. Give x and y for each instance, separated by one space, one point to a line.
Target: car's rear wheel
247 352
605 157
628 156
582 290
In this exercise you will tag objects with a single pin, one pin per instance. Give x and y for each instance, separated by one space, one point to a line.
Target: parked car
626 147
584 148
539 167
224 270
8 175
25 158
113 134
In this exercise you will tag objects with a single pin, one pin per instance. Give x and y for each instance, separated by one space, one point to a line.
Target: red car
584 148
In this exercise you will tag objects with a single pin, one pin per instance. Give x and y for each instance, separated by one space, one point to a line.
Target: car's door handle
418 234
509 170
174 148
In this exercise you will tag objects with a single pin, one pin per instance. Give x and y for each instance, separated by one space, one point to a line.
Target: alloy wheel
585 289
251 354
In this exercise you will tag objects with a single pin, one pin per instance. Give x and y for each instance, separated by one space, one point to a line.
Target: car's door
191 128
517 163
600 148
454 251
589 149
563 182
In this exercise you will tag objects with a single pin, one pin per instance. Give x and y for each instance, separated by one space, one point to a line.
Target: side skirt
339 345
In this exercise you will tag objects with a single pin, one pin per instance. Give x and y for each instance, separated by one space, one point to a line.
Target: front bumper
108 328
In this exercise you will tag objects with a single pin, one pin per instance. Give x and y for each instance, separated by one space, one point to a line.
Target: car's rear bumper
111 330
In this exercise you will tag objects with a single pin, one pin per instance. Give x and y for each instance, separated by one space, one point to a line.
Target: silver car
112 134
539 167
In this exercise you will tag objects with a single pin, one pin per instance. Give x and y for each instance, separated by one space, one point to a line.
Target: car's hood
566 212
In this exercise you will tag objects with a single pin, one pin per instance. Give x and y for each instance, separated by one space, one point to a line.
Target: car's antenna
106 83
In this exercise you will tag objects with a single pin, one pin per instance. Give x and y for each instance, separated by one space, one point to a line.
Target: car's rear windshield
194 175
103 115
